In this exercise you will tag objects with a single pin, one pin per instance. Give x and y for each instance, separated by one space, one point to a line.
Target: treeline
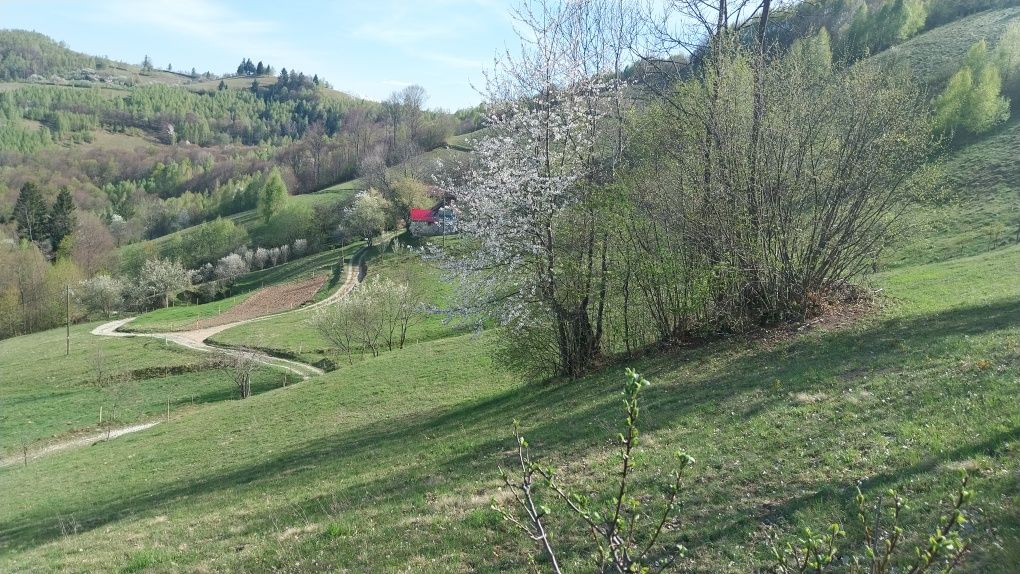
247 68
24 54
978 96
219 117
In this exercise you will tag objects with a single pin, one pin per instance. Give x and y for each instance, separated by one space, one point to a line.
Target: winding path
195 339
75 442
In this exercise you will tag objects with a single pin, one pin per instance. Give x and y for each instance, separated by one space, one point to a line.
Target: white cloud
212 23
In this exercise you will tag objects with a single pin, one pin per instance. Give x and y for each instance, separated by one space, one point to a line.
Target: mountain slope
24 54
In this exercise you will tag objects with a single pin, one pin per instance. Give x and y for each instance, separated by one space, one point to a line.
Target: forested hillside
25 54
137 153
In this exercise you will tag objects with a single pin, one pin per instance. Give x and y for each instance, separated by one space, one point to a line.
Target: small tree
403 304
230 267
367 217
92 245
336 323
1007 56
164 278
360 321
622 543
147 64
820 552
241 364
407 194
626 537
273 196
101 294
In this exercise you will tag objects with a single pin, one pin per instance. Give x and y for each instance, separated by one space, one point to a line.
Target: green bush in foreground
626 537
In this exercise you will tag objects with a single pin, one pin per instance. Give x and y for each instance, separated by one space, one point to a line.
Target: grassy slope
936 55
390 464
455 152
978 209
292 335
45 395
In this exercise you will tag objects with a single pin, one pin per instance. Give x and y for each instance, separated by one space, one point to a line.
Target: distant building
440 220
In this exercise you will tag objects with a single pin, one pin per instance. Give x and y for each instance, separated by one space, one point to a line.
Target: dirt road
75 442
195 338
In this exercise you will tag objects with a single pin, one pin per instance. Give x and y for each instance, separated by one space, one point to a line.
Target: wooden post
100 415
67 312
168 409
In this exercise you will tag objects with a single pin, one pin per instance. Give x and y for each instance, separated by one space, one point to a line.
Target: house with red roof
440 220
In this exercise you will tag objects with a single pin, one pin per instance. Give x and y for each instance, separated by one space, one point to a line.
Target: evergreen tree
147 64
62 217
240 68
284 77
222 86
30 213
273 196
260 69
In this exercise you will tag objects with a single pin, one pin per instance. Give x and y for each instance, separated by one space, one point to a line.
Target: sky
368 48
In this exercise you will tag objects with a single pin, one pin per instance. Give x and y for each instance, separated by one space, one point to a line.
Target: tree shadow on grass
562 419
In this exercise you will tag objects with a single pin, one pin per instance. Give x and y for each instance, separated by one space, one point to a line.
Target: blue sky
369 48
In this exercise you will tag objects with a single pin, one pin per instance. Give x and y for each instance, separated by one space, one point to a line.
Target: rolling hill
391 463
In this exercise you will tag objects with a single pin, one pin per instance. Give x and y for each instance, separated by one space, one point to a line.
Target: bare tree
336 323
241 364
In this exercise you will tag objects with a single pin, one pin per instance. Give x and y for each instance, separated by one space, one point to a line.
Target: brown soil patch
267 301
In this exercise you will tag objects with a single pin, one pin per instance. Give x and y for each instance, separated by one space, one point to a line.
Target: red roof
422 215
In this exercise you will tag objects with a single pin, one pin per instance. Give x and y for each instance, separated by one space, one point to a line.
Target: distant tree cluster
38 223
975 98
374 317
247 68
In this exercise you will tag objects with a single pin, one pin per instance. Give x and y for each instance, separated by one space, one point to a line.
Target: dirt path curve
75 442
195 339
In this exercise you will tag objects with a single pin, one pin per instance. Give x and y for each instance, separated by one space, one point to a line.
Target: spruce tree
30 213
62 217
